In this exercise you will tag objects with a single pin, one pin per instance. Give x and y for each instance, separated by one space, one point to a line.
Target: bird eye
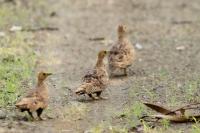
44 74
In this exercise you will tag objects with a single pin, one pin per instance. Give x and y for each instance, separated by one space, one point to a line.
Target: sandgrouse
37 99
122 54
95 81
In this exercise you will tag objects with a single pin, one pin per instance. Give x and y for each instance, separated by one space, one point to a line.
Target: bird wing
121 55
90 75
32 93
90 87
32 103
93 81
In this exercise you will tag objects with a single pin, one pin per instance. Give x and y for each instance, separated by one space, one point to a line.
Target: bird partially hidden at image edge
37 99
122 54
96 80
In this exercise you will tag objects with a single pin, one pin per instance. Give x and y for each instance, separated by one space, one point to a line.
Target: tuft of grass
116 129
76 111
191 89
132 114
165 123
98 129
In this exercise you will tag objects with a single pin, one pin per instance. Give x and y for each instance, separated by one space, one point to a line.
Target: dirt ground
161 74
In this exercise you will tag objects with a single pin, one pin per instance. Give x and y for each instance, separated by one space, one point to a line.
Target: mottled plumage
122 54
96 80
37 99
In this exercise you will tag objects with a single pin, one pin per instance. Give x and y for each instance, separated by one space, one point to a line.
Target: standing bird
95 81
37 99
122 54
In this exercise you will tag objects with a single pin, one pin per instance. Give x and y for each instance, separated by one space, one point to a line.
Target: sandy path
69 55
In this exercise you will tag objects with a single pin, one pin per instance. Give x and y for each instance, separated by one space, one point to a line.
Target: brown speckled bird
122 54
37 99
95 81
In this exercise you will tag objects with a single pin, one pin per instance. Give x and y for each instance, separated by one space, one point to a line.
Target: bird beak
48 74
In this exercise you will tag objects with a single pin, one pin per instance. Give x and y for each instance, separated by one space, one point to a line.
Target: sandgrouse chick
37 99
122 54
95 81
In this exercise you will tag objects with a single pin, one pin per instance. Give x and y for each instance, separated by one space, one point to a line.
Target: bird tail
30 103
84 88
88 88
23 104
81 89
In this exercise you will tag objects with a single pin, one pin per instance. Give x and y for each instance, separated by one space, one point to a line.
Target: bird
122 54
95 80
36 99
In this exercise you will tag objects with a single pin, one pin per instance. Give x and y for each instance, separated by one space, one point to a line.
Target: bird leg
94 98
39 112
125 71
99 95
30 113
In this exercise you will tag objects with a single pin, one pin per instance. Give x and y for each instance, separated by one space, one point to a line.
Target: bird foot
41 119
125 74
103 98
96 98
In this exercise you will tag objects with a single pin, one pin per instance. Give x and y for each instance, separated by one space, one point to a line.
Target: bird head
122 30
42 76
102 53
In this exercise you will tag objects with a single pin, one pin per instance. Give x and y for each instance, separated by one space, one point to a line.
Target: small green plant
98 129
191 89
165 123
75 111
195 128
116 129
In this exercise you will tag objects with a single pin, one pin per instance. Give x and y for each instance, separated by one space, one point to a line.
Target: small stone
180 48
2 34
140 60
2 114
138 46
15 28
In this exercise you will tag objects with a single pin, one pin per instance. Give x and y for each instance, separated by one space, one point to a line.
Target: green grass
17 58
16 65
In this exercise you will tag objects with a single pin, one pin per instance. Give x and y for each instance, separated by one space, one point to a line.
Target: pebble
180 48
138 46
2 114
15 28
2 34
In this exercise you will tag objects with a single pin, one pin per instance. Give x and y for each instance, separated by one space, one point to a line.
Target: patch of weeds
163 74
16 65
191 89
98 129
117 129
132 114
146 127
107 127
165 123
195 127
76 111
